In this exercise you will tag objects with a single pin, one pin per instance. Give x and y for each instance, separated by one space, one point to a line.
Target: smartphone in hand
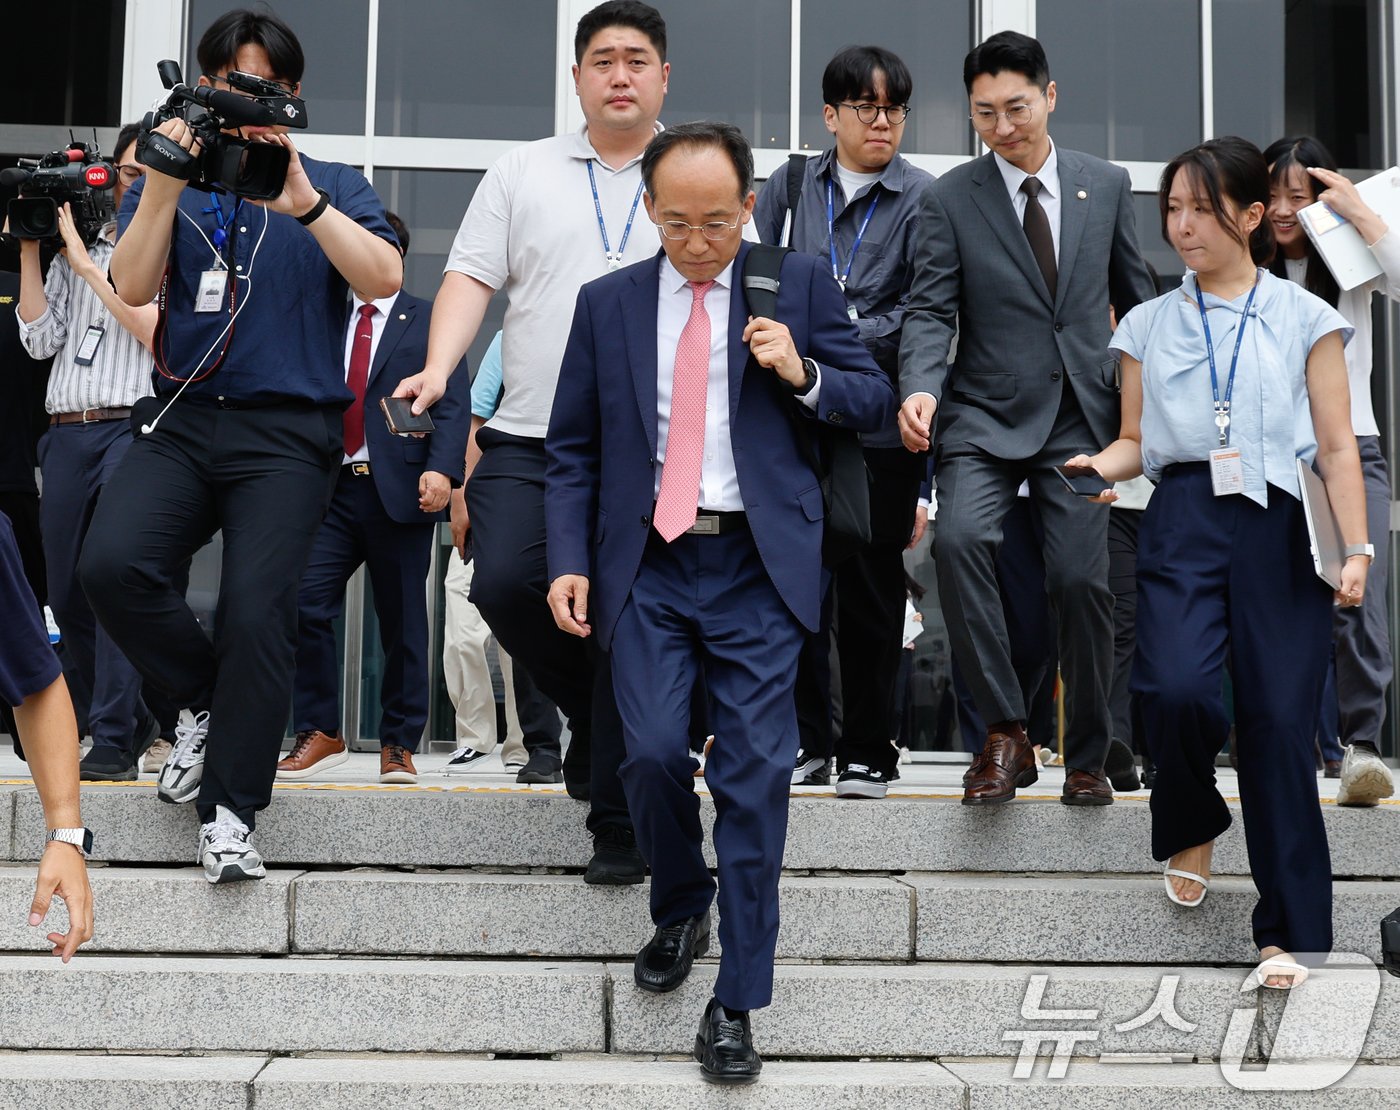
1083 480
398 412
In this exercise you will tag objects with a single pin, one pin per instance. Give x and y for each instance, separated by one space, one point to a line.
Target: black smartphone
1083 480
398 412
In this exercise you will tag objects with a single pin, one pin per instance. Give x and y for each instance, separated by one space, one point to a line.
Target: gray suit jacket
975 277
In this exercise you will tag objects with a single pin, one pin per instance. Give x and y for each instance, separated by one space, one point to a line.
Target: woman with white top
1302 171
1226 382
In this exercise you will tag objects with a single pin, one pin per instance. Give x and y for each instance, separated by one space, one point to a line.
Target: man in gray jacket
1021 253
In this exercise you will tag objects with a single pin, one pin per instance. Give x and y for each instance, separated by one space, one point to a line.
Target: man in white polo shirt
548 217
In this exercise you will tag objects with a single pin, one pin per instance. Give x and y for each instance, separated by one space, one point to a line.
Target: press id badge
212 284
1226 471
87 349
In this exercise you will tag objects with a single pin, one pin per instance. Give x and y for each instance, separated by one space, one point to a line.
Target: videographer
101 367
243 436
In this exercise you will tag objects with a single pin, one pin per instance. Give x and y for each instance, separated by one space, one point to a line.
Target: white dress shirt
376 324
1050 191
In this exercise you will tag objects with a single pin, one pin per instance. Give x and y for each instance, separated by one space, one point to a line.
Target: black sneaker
860 781
462 760
616 861
806 765
542 767
106 763
819 777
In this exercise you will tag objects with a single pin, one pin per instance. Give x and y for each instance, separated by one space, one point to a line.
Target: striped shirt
120 373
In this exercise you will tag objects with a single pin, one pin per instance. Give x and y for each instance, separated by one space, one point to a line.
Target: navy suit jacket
396 463
601 447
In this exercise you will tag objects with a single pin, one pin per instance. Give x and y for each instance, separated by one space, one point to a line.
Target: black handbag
834 454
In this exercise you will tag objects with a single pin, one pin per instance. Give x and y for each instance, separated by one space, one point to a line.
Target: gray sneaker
1365 778
226 851
155 757
179 779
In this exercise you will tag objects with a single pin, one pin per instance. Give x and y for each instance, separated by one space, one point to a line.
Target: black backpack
834 454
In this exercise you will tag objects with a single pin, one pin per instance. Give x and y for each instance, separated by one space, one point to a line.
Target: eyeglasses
984 119
130 174
715 230
869 113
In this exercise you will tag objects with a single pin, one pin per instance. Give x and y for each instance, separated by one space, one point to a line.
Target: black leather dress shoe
664 962
724 1047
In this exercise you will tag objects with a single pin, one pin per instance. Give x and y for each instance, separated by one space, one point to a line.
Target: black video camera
77 176
240 166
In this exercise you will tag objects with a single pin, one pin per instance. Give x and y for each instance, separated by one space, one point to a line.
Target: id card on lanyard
1226 462
842 276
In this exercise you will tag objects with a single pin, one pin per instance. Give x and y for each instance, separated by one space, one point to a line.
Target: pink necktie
685 440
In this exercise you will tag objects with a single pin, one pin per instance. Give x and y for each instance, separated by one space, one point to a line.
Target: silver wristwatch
81 839
1367 549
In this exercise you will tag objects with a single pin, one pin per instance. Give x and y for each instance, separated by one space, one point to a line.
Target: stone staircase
435 947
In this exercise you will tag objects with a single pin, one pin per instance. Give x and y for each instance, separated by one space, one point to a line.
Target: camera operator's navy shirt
287 343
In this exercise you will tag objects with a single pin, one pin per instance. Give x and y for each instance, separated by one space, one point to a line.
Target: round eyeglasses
715 230
869 113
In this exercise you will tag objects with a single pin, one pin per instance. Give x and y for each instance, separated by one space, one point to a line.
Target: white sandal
1171 891
1279 966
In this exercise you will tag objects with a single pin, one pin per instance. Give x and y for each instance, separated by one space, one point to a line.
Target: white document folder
1325 538
1340 244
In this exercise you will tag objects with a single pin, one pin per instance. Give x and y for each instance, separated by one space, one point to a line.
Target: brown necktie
1037 226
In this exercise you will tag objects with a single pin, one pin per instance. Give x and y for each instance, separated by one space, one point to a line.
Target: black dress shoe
724 1047
616 861
1120 767
664 962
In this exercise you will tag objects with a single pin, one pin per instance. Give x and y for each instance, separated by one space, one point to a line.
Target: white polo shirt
532 230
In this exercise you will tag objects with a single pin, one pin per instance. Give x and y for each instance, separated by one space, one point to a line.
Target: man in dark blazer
685 527
1021 253
388 500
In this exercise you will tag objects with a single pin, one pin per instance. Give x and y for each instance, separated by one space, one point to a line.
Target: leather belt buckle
360 469
705 526
97 415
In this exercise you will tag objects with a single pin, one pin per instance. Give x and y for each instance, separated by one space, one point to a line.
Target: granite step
372 1082
424 826
926 1011
894 919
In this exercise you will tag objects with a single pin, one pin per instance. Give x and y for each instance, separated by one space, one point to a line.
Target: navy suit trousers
1223 581
704 607
358 531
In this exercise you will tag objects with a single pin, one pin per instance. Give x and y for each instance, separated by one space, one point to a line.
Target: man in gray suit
1021 253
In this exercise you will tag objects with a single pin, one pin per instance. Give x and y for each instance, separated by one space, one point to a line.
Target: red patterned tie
357 379
685 439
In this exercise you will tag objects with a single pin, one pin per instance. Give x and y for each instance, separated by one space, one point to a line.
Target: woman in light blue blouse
1227 381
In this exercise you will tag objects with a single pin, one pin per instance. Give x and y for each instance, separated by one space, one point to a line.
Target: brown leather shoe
1006 762
314 751
1084 788
396 764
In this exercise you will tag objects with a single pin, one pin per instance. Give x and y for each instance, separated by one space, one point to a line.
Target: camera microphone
13 176
240 110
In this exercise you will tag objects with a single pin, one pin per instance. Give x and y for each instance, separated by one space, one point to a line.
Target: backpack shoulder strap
762 265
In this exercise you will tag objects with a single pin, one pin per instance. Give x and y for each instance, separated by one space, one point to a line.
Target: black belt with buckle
715 524
358 469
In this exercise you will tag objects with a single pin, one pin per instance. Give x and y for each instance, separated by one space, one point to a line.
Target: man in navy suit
388 499
682 512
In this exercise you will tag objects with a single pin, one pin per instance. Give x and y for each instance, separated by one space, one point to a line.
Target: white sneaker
225 850
180 777
1365 778
155 757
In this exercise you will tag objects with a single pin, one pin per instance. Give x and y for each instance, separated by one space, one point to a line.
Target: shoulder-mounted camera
77 176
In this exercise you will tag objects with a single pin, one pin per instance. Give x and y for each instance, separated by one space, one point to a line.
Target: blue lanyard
841 278
614 260
1222 408
220 236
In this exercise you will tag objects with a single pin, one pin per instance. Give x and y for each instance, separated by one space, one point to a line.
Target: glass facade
426 94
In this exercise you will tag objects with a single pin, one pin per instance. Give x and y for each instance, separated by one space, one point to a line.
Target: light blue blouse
486 386
1270 421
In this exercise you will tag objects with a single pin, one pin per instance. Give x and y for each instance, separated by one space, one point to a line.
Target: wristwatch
806 387
1367 549
316 209
81 839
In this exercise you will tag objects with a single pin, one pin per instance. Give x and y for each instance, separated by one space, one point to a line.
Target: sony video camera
78 176
240 166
